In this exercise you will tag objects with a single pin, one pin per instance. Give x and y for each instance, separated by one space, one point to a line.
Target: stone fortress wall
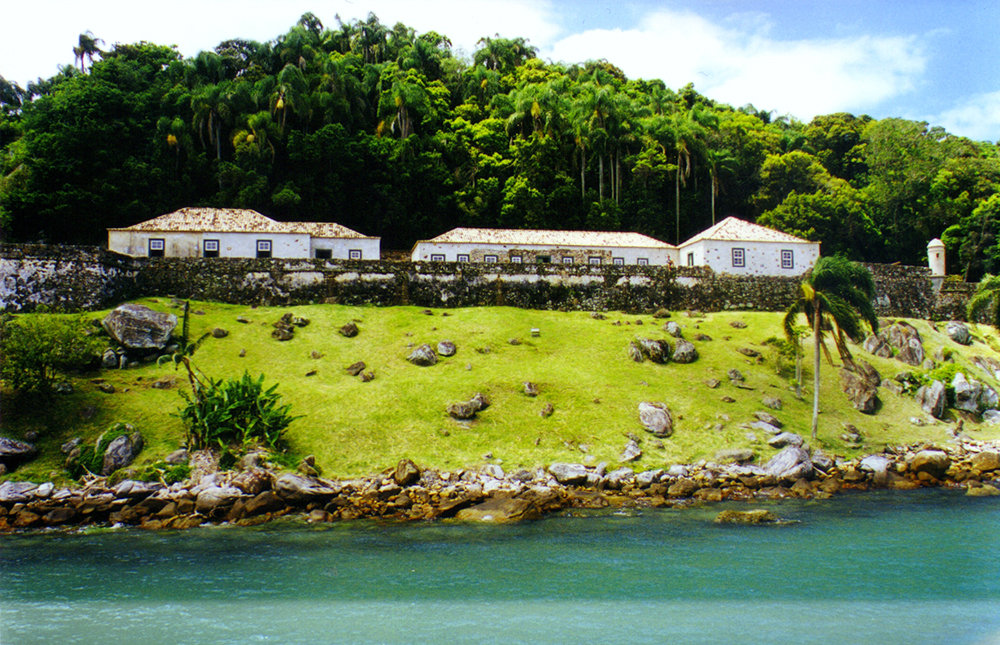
68 278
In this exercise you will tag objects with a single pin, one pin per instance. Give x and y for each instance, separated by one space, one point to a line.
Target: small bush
162 471
91 457
35 349
235 411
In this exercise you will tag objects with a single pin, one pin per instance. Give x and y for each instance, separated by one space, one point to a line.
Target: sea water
915 567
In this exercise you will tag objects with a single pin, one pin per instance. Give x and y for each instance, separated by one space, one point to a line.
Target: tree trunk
677 191
600 190
713 198
816 317
583 174
798 369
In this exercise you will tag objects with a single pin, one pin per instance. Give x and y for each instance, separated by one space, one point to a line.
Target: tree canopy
390 132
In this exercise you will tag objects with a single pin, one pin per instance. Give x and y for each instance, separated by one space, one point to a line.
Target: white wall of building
191 245
340 248
759 258
477 252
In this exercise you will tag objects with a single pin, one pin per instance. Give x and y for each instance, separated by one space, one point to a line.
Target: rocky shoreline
255 494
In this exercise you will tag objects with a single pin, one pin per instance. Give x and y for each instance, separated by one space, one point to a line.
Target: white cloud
742 63
977 117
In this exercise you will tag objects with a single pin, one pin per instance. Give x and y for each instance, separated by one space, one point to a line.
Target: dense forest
389 132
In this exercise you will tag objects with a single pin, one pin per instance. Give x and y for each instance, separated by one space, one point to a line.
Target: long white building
235 233
521 246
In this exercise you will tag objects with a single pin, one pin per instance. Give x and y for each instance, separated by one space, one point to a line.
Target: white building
517 246
234 233
741 248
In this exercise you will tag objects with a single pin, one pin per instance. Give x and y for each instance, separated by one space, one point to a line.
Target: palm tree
986 300
835 298
87 48
718 160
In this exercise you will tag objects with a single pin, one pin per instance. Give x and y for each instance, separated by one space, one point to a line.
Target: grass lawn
579 364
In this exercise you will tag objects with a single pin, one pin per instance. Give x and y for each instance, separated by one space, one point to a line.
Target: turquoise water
919 567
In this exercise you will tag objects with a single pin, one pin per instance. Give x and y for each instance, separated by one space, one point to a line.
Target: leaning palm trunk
816 340
798 370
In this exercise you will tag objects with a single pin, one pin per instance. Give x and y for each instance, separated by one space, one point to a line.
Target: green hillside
578 362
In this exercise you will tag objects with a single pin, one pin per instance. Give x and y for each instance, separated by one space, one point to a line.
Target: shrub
90 459
35 349
235 411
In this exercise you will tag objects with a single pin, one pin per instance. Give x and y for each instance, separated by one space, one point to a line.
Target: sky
928 60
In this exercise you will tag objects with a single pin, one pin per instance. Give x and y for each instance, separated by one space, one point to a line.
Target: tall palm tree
836 298
719 159
87 48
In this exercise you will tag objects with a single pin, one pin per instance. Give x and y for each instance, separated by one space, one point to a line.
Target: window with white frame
595 260
739 257
210 248
463 257
642 262
515 259
618 261
263 248
324 254
787 259
437 257
490 259
157 245
354 254
567 259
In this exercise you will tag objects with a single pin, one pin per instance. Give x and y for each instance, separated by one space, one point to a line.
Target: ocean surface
889 567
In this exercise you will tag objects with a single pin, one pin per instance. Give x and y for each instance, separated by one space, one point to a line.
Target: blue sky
934 61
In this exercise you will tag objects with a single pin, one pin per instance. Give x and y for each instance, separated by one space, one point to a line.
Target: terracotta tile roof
524 237
733 229
234 220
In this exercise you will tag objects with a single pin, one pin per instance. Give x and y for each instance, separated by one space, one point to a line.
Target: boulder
657 351
772 402
988 364
406 474
768 418
619 478
685 352
655 417
783 439
300 489
355 368
737 455
876 464
462 410
139 328
735 376
219 332
568 474
13 451
109 359
447 348
673 329
635 353
17 492
122 451
530 389
932 399
984 490
265 502
631 452
958 332
500 509
912 353
792 463
283 333
988 399
424 356
967 393
877 346
862 394
216 497
986 461
350 330
933 462
683 487
753 516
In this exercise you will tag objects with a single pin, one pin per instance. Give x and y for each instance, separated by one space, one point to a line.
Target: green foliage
35 350
235 412
161 471
985 302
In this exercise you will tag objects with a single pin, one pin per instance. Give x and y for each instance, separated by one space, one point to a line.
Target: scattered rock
753 516
107 388
792 463
685 352
137 327
967 393
862 394
656 419
932 399
673 329
933 462
737 455
958 332
547 411
631 452
500 509
122 450
768 418
355 368
423 356
219 332
738 324
985 490
703 337
750 353
783 439
661 313
596 315
282 333
446 348
530 389
657 351
406 474
569 474
350 330
735 376
713 383
986 461
13 451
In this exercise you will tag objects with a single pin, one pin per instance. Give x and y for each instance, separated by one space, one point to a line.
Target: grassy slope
578 362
